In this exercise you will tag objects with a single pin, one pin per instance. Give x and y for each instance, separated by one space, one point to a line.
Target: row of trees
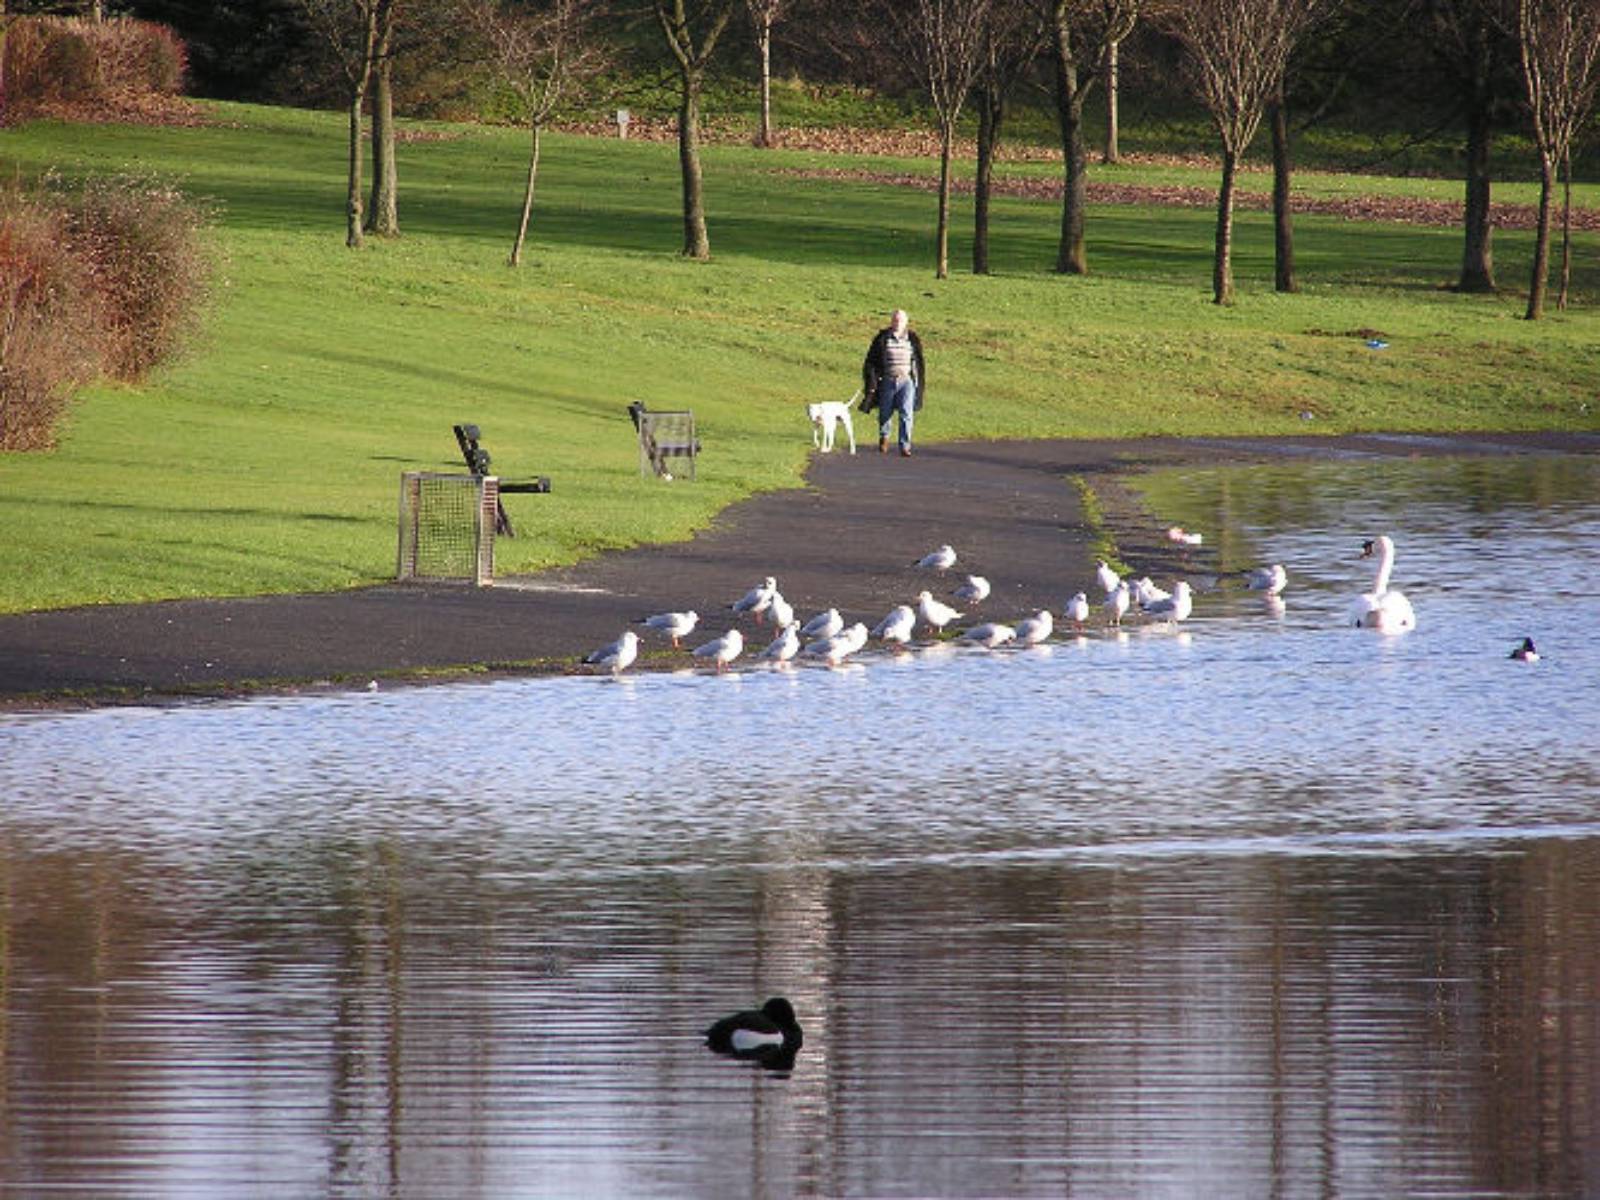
1282 63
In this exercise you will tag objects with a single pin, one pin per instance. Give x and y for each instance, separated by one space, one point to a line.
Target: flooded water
1266 907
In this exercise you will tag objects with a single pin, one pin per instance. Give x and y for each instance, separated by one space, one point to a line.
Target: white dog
826 418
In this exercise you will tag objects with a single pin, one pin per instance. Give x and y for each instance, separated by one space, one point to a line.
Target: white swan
1382 609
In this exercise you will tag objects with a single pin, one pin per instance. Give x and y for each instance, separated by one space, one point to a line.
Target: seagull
1107 577
619 655
941 559
934 613
1270 580
1175 607
1077 610
990 634
823 626
675 625
1145 593
973 591
1177 533
722 650
898 626
785 646
1033 630
781 610
1525 652
834 650
757 599
1117 604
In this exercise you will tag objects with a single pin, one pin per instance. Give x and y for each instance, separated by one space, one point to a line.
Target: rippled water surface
1270 906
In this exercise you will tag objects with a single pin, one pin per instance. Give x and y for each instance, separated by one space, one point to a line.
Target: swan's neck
1380 582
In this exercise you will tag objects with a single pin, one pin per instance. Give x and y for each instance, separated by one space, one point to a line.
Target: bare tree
678 19
351 28
1237 52
1013 37
764 14
1560 41
1116 19
941 43
383 210
544 52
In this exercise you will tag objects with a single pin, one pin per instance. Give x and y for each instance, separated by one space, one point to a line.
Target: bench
477 460
664 436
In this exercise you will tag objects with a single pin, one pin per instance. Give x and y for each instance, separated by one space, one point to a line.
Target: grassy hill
269 459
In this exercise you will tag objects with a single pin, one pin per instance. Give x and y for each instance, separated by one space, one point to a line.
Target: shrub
53 61
110 279
48 328
142 241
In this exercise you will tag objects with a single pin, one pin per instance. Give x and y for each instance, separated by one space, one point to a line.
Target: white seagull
1175 607
1117 604
1382 609
941 559
757 599
990 634
823 626
1077 610
1107 577
722 650
675 625
974 591
619 655
1270 580
898 626
781 611
934 613
834 650
785 646
1033 630
1177 533
1146 593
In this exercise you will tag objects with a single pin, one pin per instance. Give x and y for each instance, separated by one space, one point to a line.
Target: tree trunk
527 198
1112 154
1566 228
764 44
1541 243
353 236
5 29
947 137
1477 252
1282 222
383 214
1222 265
696 243
991 110
1071 258
97 11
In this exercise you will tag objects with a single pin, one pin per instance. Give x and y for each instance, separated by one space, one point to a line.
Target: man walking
893 379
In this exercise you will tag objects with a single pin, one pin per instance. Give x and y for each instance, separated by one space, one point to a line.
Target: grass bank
268 461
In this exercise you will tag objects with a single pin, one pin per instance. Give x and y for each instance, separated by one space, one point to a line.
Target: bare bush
52 61
108 280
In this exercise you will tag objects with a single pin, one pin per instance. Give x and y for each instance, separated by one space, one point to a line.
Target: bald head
898 320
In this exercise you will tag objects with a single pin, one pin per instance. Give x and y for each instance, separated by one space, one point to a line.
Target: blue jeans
896 396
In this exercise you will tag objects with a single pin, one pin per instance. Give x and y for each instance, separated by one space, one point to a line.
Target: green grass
269 459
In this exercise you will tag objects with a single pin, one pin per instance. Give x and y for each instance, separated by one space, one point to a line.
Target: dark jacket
872 370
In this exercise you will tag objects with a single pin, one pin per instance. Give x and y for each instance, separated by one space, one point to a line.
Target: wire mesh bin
447 526
666 440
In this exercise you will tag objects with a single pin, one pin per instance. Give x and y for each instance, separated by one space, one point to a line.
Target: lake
1262 906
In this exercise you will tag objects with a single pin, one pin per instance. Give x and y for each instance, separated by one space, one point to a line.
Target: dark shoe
905 451
883 445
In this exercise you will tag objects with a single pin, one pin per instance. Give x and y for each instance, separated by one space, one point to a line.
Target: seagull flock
825 639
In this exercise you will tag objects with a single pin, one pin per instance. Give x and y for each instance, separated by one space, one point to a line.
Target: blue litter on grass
1377 344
